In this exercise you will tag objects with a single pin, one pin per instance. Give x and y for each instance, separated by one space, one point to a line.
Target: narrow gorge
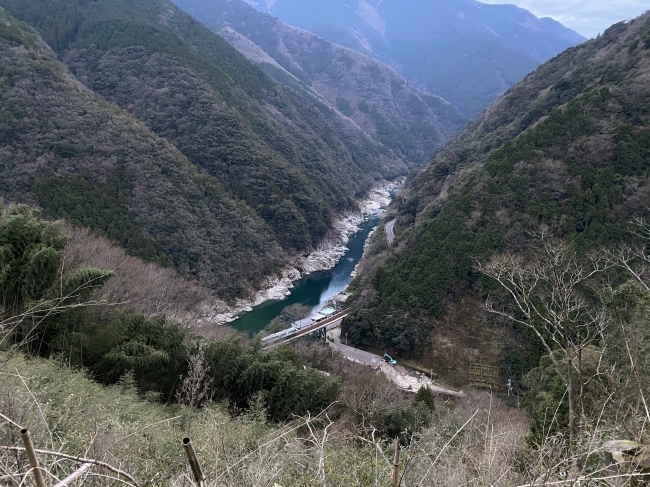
313 278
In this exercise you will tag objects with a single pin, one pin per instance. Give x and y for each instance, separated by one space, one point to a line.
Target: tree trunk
570 392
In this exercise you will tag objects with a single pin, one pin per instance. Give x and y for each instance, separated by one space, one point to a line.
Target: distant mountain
567 147
207 165
465 51
410 122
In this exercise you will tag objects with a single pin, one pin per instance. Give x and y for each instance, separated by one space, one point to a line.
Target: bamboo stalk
33 460
199 476
75 475
396 463
76 459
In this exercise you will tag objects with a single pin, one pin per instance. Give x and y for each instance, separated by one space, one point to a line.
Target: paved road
390 233
399 375
356 355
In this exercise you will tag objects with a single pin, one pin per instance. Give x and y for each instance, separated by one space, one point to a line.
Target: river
315 288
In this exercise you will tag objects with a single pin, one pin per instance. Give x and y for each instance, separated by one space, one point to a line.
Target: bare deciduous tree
634 258
147 287
546 296
319 440
196 383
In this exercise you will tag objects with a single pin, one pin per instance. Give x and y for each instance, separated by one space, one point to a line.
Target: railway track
332 321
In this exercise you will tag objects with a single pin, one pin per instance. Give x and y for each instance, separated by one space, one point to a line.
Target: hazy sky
587 17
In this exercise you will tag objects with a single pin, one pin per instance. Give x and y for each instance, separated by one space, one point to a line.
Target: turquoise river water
315 288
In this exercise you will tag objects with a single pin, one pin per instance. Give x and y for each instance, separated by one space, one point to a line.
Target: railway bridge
292 333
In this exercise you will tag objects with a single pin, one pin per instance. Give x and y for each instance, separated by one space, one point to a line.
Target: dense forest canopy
568 147
241 173
83 158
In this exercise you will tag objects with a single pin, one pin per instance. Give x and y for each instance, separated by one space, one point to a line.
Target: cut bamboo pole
33 460
75 475
105 465
199 476
396 463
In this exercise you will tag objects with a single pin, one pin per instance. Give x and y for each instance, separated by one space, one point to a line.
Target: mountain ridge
410 122
264 165
426 43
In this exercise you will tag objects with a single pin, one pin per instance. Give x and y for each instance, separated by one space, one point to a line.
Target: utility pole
346 339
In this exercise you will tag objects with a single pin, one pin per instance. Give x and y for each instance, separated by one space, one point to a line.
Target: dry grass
473 442
146 287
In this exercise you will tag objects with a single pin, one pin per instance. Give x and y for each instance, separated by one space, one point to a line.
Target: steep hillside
569 147
80 156
465 51
410 122
270 152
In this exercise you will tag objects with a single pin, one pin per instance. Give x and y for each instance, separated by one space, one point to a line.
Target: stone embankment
325 257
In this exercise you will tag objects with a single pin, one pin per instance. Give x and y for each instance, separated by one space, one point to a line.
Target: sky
586 17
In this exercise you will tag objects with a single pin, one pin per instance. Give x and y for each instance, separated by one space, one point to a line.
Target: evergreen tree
424 396
34 290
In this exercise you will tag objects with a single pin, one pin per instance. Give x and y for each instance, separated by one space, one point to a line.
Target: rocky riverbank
325 257
365 249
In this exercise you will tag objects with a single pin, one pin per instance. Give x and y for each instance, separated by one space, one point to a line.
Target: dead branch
76 459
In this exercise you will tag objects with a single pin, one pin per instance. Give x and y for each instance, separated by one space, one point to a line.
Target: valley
287 243
439 47
312 279
409 121
267 170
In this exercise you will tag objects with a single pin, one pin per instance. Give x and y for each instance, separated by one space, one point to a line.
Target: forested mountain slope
410 122
569 147
465 51
82 157
283 163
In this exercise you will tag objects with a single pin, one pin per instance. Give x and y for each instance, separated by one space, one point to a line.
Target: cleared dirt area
404 379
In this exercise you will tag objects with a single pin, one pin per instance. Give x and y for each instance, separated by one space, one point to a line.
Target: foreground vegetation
60 332
479 441
67 412
97 380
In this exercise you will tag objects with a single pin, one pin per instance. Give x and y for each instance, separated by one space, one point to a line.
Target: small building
317 317
338 300
300 324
